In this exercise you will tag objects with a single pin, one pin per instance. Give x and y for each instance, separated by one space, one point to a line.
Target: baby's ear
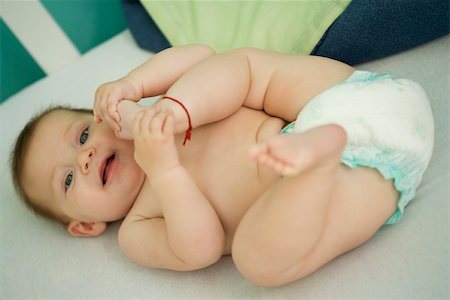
85 229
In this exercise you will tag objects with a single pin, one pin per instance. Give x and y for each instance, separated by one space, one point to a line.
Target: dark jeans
371 29
366 30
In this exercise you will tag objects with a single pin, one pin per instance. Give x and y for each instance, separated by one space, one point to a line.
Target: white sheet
38 260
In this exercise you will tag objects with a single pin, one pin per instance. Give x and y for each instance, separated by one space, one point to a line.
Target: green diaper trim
288 129
293 27
367 76
405 174
392 165
405 169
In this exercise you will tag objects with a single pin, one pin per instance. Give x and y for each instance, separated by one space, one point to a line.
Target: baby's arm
189 235
152 78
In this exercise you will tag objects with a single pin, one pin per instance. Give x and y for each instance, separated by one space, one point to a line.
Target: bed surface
38 260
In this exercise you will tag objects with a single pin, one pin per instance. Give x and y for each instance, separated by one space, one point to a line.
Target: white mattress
39 260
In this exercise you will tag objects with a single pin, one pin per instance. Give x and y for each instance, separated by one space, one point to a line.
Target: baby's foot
295 153
127 110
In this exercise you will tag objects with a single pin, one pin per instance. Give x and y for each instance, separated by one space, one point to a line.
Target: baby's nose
84 159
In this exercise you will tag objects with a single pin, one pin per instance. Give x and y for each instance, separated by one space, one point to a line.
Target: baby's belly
222 170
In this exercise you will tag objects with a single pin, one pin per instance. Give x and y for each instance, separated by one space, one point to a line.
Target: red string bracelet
189 130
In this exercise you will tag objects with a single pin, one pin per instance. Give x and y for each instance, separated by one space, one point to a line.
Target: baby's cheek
106 132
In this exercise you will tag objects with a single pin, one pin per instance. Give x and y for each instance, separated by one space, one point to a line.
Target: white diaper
389 125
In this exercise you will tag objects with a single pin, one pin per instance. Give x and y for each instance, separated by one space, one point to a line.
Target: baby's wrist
167 175
136 84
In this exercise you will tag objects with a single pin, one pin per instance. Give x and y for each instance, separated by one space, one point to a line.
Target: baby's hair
17 159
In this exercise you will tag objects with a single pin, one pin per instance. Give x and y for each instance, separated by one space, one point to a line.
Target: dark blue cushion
143 28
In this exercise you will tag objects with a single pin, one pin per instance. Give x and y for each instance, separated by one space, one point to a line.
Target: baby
284 162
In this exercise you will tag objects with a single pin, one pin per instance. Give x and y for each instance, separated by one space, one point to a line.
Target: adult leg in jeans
369 30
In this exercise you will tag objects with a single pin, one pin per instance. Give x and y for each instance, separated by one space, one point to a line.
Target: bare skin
310 203
282 206
297 204
233 195
185 218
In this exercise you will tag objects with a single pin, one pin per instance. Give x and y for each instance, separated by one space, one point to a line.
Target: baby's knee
263 267
254 268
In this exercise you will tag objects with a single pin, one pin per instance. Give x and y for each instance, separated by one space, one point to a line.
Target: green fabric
87 22
17 67
286 26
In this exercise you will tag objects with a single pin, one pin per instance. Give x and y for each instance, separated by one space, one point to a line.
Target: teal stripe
87 22
17 67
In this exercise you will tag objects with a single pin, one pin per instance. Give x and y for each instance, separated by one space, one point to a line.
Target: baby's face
81 169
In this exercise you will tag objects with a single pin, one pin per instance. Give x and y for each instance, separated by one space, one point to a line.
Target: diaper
389 127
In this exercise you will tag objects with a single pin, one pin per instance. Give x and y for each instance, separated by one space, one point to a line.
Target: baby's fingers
142 120
112 108
100 109
105 113
137 122
96 106
157 123
163 124
97 119
169 124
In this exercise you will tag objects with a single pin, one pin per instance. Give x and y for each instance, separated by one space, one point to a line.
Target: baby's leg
127 110
290 155
307 219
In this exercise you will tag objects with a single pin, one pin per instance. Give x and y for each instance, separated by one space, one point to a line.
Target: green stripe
17 67
87 22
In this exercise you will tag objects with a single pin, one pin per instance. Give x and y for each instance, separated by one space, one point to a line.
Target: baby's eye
68 181
84 136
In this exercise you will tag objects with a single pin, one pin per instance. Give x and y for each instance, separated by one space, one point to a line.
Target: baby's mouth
105 174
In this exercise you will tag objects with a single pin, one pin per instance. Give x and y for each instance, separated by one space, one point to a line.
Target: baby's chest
232 186
227 177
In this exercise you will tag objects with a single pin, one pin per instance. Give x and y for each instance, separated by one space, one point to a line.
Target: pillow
286 26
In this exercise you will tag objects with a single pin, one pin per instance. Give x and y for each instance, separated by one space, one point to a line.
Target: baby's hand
154 141
109 95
